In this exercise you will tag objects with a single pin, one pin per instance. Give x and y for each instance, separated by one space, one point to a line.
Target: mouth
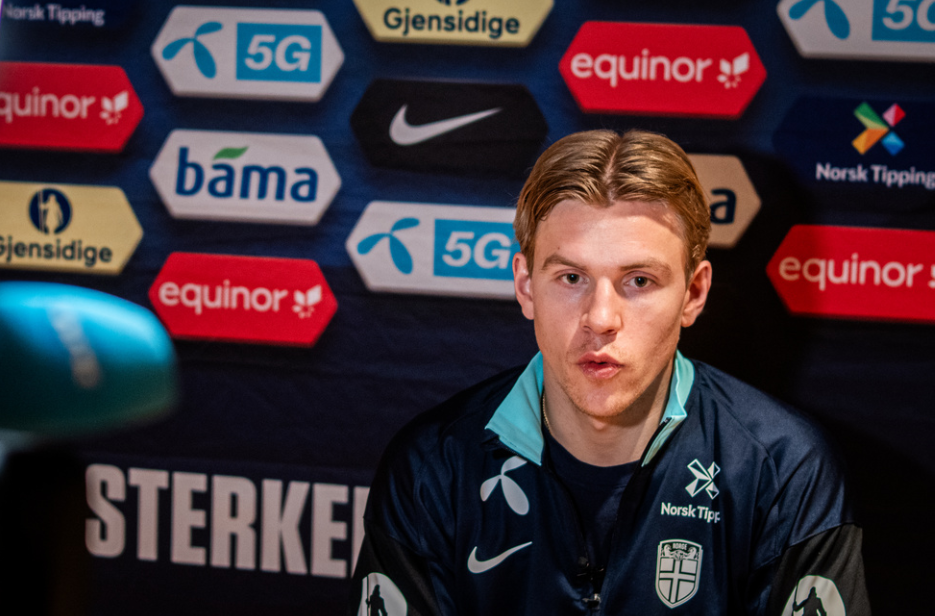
599 366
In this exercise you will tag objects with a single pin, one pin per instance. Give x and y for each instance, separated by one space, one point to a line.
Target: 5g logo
474 249
461 250
903 20
267 54
279 52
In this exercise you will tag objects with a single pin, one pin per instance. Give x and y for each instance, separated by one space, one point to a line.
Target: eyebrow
647 264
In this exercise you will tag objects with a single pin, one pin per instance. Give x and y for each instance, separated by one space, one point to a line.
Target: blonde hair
601 167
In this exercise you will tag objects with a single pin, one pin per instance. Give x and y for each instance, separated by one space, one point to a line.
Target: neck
606 441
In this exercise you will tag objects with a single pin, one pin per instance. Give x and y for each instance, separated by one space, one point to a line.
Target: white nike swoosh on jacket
404 133
479 566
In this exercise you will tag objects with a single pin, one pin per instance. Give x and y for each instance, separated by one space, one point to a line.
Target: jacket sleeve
808 557
825 571
393 573
406 543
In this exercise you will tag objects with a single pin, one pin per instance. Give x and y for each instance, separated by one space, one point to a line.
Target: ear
522 284
697 293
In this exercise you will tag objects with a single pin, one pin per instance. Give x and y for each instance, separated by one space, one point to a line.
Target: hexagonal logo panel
243 299
454 22
78 107
856 272
435 249
731 196
895 30
662 69
66 228
245 177
247 53
452 127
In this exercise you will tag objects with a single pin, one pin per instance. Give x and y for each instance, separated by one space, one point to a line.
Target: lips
599 366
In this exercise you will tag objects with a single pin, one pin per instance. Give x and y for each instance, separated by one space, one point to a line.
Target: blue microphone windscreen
75 360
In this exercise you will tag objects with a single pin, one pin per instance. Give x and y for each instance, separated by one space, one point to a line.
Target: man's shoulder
747 416
458 420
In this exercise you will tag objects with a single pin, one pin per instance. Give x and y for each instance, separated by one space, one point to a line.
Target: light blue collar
517 421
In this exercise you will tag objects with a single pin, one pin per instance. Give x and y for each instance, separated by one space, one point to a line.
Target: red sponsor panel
66 106
662 69
243 299
864 273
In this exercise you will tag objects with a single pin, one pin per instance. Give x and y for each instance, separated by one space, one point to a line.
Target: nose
604 312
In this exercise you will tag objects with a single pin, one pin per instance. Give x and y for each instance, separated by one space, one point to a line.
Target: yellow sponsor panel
731 196
454 22
66 228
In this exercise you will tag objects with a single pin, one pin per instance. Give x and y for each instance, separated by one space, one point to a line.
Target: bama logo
66 228
731 196
662 69
66 107
248 177
862 150
247 53
898 30
860 273
435 249
454 22
243 299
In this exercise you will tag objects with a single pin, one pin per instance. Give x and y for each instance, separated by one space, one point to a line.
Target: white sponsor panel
247 177
897 30
435 249
247 53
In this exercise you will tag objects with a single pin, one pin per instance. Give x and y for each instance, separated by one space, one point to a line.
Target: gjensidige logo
897 30
851 272
454 22
243 299
66 228
249 177
66 106
853 145
50 211
662 69
247 53
453 127
435 249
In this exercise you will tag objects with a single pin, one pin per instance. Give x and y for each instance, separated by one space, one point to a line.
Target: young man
611 475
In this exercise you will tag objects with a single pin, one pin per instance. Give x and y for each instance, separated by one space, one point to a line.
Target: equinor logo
664 69
253 177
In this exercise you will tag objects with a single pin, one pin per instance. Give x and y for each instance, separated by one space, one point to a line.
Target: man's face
608 297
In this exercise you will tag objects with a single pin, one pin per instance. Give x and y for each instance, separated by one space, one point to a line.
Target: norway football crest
678 571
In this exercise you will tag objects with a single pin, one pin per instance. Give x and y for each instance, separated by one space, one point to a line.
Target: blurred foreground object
74 361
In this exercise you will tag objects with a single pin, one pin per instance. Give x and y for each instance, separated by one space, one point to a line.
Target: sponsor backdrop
315 198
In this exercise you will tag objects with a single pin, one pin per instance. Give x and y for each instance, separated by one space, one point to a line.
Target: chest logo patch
515 497
704 478
379 596
814 595
678 571
476 565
